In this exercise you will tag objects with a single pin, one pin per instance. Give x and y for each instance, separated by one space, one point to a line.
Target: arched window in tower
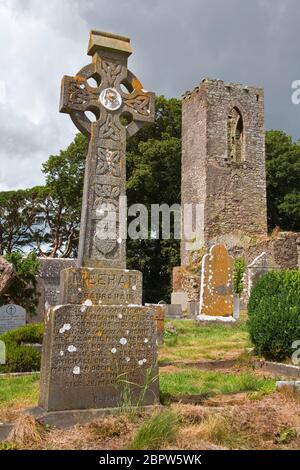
235 136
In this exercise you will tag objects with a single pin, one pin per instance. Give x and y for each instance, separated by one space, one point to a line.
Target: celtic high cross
121 107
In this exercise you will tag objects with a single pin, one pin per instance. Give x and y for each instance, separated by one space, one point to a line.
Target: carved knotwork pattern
112 71
106 193
108 162
139 104
109 130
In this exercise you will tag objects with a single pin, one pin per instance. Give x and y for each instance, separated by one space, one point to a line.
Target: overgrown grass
209 342
218 430
155 431
19 389
187 381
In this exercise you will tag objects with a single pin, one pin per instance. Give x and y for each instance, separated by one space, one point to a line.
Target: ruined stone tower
223 160
223 172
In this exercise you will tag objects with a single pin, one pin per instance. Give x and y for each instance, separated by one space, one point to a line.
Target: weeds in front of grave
156 431
26 432
188 381
128 404
4 445
212 428
285 435
110 427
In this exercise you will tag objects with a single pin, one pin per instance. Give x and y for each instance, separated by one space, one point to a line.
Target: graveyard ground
231 406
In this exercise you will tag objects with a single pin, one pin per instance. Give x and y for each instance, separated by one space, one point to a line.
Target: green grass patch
19 389
209 342
189 381
155 431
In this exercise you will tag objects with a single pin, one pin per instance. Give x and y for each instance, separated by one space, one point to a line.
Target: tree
153 177
283 176
64 183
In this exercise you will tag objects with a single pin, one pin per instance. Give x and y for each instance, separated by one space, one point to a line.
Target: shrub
21 357
238 275
274 314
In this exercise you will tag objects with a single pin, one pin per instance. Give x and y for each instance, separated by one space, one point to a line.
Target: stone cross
120 107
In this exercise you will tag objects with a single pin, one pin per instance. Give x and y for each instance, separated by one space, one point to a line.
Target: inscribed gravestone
11 317
103 337
216 296
93 351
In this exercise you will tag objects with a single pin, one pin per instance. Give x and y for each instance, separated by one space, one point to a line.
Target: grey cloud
176 43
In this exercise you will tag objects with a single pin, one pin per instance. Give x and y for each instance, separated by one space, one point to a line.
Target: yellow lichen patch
216 283
86 280
136 84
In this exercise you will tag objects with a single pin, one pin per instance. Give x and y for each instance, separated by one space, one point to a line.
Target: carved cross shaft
121 107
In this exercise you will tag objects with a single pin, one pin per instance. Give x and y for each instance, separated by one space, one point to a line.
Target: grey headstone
49 277
92 353
11 317
173 311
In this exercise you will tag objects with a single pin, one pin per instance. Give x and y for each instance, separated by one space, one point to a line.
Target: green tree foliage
153 177
238 275
274 314
283 176
23 289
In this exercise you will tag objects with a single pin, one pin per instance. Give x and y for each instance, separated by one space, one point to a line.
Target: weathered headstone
49 282
216 295
260 266
93 352
11 317
101 340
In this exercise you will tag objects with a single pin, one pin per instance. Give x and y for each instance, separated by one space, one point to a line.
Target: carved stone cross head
120 107
115 91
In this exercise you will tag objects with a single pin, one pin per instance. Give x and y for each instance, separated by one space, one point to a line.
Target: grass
208 342
215 429
155 431
187 381
19 389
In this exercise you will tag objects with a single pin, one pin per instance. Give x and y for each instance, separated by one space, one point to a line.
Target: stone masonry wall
233 192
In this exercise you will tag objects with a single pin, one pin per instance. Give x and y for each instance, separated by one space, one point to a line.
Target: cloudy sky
176 43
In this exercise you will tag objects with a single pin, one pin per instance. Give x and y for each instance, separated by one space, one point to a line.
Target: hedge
274 314
21 357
